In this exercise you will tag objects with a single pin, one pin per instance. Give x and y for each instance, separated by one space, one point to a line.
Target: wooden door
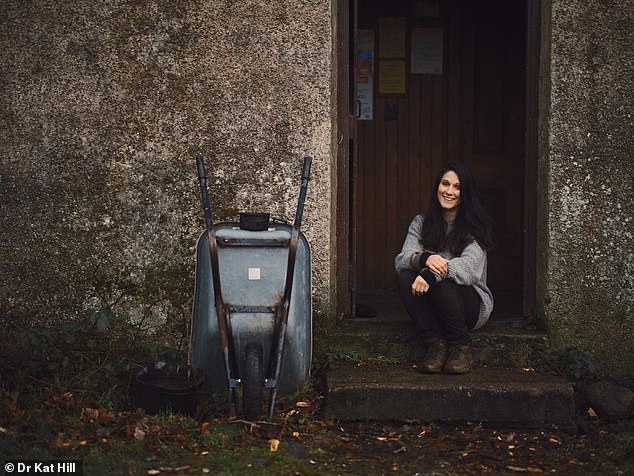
473 111
493 111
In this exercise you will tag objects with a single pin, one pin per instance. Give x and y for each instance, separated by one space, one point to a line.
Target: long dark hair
472 221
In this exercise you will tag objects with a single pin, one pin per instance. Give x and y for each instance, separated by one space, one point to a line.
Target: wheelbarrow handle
226 341
306 170
200 165
302 192
277 350
202 178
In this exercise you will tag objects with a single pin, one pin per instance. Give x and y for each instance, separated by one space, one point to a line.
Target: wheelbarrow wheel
253 385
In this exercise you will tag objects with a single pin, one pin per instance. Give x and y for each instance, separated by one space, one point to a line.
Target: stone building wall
589 271
103 106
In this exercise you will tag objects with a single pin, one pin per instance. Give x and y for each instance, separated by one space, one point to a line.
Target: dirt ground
298 440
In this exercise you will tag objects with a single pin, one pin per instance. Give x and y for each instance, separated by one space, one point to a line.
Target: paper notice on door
392 77
254 274
392 33
427 51
365 75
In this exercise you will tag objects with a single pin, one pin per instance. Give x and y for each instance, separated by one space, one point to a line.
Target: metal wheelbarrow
252 312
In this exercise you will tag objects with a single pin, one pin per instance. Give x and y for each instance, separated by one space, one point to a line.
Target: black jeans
448 310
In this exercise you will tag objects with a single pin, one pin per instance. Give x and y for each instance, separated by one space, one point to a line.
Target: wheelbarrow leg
226 342
278 347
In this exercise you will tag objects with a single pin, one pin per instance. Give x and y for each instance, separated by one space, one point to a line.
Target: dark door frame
344 272
345 127
533 50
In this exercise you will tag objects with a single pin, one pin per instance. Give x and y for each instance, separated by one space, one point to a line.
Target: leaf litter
299 440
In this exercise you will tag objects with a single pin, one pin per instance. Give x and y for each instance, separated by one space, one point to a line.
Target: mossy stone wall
589 273
103 106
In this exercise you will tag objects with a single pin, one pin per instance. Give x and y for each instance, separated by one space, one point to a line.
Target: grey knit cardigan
467 269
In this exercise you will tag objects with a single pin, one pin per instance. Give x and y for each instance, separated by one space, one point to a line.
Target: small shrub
574 364
95 357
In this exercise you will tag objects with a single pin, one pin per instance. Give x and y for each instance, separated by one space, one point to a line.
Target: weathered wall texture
590 269
103 106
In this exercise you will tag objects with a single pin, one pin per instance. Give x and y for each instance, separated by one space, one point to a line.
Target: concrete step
500 342
492 395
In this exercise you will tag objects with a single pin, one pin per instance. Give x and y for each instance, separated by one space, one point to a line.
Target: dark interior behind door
474 112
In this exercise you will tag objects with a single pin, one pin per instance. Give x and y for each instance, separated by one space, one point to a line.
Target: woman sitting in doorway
442 271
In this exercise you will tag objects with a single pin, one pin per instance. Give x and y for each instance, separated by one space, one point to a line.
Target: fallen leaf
528 469
103 414
153 471
592 413
205 428
273 444
89 414
64 401
139 434
302 404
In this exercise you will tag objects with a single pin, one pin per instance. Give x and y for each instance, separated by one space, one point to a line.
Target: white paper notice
254 273
365 75
427 50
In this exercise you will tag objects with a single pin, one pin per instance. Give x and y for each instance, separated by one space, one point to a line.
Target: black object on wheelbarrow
252 305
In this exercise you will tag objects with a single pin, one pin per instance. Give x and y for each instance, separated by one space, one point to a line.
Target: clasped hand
419 286
437 264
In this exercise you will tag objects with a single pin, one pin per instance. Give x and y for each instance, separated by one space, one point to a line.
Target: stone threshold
491 395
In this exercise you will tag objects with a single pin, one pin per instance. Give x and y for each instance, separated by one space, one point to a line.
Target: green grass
224 455
128 459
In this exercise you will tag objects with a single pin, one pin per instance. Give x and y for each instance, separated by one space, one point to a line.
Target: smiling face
449 194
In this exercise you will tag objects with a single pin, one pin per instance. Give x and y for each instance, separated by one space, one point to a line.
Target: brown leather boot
435 356
459 361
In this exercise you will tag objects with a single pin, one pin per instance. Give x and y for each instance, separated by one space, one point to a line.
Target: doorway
430 82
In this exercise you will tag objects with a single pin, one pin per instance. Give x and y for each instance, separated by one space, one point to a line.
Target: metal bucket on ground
167 387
